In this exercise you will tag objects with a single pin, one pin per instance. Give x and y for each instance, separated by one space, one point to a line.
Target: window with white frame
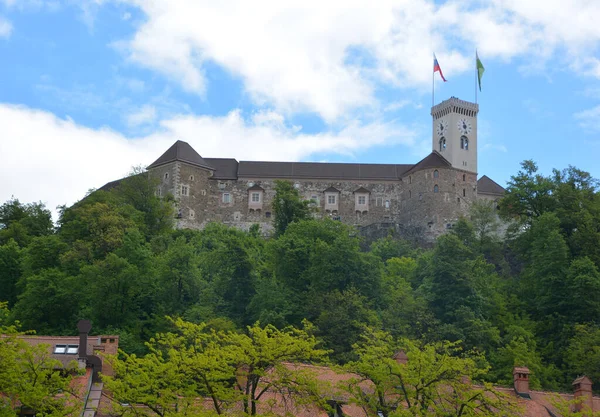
185 190
226 198
362 200
255 197
387 204
331 199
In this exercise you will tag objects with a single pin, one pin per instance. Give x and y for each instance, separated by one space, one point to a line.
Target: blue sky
91 88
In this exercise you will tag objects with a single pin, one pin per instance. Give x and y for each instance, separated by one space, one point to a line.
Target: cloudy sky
90 88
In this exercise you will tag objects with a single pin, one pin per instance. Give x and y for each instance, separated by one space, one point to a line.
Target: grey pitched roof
485 185
331 190
433 160
362 190
256 188
225 168
181 151
334 171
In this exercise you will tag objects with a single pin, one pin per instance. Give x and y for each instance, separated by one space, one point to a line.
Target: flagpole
433 85
476 75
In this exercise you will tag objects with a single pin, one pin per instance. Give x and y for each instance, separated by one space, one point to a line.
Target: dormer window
255 197
361 199
331 199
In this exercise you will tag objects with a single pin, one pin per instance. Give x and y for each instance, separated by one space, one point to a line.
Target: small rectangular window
184 190
226 198
379 201
72 349
331 199
60 349
256 197
362 200
159 192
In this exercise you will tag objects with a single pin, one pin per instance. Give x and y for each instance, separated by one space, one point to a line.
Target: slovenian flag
436 67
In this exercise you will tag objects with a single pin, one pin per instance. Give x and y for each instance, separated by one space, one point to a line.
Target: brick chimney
84 327
400 357
521 379
582 388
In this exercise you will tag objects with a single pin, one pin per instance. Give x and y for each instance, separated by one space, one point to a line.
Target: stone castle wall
409 204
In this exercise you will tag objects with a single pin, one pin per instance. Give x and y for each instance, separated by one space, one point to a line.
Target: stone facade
427 197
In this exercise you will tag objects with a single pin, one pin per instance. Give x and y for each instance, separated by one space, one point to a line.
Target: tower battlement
455 105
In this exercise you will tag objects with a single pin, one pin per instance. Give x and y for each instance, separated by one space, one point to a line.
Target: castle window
159 192
387 204
268 214
464 177
379 201
191 178
226 198
362 200
166 175
464 143
436 189
442 144
464 192
409 194
192 214
185 190
436 174
330 199
410 179
203 192
256 197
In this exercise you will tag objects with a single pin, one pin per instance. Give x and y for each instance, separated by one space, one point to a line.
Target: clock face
464 126
441 127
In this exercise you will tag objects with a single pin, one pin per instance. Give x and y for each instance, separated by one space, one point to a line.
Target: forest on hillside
528 296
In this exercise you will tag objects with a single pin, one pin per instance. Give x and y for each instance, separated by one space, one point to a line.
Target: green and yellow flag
480 69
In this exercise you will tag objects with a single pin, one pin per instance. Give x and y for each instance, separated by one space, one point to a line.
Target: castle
426 197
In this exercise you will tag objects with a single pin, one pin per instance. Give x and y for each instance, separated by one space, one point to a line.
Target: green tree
288 206
139 191
21 222
10 271
232 370
436 380
528 194
583 353
30 378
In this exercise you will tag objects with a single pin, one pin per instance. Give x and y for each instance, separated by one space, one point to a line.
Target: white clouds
589 119
143 116
5 28
57 161
299 55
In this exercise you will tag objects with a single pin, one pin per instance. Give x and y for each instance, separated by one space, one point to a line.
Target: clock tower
455 132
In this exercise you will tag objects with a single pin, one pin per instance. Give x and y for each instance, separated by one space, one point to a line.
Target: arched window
464 192
436 174
442 144
464 143
166 175
436 188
